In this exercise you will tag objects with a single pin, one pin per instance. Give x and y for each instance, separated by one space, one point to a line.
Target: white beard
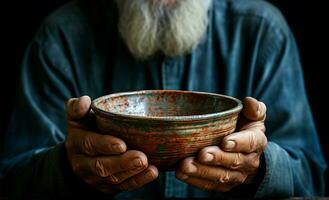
149 27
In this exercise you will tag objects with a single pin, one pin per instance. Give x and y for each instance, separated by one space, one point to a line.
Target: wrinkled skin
236 160
102 161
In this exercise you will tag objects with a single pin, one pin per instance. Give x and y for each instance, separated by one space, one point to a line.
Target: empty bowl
167 125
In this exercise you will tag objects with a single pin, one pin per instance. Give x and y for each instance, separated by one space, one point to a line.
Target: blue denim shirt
248 51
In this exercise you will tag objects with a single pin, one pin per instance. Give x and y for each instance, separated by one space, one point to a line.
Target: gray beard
149 28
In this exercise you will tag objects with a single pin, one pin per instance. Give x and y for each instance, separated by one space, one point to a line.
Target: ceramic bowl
167 125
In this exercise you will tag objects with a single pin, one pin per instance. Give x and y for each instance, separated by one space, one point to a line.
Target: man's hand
236 160
103 161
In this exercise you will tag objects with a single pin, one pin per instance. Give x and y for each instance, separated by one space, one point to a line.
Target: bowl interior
164 103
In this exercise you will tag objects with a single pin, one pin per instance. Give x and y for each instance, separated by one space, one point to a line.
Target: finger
132 162
254 110
235 161
135 182
205 184
192 168
78 108
140 179
137 166
246 141
91 143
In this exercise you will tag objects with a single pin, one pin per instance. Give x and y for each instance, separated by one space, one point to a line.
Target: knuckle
204 172
87 145
252 140
237 162
112 179
121 177
224 178
219 158
100 169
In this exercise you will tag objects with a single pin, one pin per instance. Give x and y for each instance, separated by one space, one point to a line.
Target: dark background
307 19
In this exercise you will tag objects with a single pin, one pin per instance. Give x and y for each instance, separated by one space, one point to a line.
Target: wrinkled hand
102 161
236 160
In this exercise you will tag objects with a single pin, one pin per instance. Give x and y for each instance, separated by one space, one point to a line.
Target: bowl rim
182 118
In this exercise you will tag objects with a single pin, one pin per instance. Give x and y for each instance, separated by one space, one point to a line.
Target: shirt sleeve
34 162
294 164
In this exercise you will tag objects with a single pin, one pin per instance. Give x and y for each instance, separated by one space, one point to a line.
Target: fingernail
191 168
137 162
117 148
149 173
229 144
113 179
208 157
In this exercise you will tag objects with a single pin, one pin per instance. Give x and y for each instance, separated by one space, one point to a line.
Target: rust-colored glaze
167 125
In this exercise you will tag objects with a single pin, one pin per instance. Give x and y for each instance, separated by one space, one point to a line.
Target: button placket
172 74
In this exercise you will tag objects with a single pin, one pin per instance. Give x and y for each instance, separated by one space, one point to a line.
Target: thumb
78 108
254 110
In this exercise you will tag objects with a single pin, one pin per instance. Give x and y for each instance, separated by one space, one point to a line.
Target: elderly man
233 47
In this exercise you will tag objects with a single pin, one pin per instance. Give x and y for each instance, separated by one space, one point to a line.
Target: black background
307 19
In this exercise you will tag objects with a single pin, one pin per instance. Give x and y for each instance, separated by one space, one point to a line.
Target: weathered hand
236 160
103 161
